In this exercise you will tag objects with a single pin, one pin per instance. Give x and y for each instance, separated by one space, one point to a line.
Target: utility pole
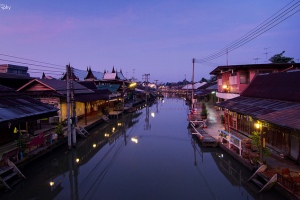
133 79
68 105
267 52
227 57
256 59
146 77
73 103
193 84
156 81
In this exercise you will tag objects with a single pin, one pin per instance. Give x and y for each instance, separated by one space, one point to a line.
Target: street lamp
258 126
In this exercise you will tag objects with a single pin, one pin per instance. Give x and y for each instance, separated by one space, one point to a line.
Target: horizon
159 38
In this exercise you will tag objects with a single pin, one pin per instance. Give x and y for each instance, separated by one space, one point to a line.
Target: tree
279 58
203 80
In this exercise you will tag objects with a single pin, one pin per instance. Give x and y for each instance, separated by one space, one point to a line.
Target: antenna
256 59
267 52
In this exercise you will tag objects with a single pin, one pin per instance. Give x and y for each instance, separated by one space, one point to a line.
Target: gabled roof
60 86
279 86
97 95
274 98
94 75
80 74
98 75
280 66
15 106
110 76
111 87
89 84
196 86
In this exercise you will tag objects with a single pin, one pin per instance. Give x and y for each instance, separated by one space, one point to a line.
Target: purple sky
154 37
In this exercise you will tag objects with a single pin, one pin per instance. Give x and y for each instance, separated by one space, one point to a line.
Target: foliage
279 58
256 143
21 144
203 80
59 129
222 119
204 112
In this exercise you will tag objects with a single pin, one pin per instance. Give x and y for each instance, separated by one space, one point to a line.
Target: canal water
148 154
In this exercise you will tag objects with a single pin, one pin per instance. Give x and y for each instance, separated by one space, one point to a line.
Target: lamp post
258 125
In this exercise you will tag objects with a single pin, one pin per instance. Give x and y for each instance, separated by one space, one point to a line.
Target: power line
254 33
31 60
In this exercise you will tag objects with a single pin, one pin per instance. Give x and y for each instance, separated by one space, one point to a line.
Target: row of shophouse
26 102
262 94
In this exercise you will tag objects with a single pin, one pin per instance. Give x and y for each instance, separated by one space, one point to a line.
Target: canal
148 154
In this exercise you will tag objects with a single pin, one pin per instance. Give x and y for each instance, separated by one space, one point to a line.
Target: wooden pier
205 139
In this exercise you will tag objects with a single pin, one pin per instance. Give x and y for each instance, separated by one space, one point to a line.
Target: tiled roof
60 86
279 86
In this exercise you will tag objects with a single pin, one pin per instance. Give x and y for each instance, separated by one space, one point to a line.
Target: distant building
14 69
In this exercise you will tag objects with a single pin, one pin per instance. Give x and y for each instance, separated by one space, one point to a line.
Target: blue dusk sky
157 37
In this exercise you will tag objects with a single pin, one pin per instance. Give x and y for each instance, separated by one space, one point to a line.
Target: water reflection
123 160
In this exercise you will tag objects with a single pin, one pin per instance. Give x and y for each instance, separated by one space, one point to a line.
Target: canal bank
274 162
152 157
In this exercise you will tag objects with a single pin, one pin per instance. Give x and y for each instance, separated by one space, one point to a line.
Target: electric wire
257 31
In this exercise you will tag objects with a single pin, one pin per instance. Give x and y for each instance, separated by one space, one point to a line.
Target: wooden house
273 101
20 114
234 79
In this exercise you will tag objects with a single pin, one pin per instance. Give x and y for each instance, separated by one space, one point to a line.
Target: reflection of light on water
152 114
135 140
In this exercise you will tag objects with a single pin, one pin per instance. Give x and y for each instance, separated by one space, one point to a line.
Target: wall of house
280 140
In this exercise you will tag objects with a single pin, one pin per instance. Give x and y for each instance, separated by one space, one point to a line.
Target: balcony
226 95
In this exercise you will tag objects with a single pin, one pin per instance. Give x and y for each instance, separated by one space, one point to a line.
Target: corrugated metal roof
14 107
280 86
60 86
98 75
80 74
255 106
287 117
110 76
190 86
280 66
98 95
111 87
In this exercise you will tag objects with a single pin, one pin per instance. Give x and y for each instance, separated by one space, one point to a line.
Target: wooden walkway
205 139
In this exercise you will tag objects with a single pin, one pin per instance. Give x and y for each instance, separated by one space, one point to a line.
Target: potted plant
204 113
59 130
21 144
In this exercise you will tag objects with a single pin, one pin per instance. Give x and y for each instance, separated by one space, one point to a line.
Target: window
244 77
